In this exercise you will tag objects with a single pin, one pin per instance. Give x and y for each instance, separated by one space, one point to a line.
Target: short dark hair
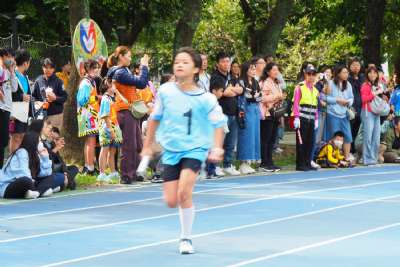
195 57
216 84
338 134
48 62
90 64
6 52
22 56
221 55
55 130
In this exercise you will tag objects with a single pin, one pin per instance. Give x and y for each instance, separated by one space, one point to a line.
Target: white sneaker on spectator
47 193
102 177
186 246
246 169
202 175
219 172
231 171
315 165
278 150
32 194
57 189
113 175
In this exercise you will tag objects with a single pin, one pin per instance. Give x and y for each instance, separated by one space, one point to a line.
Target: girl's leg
91 145
103 159
111 158
171 193
186 208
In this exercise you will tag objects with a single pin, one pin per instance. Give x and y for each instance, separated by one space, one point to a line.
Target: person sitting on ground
55 144
27 172
330 155
43 128
391 140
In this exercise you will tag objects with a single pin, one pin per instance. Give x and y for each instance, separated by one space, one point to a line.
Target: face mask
8 62
338 144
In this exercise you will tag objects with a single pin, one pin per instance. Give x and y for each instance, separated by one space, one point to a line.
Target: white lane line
197 192
226 230
316 245
128 188
91 227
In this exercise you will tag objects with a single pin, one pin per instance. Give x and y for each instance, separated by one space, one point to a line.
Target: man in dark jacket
49 89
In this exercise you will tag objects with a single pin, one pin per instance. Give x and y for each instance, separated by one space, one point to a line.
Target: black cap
310 69
47 62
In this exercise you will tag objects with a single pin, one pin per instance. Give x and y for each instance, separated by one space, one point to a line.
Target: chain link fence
39 50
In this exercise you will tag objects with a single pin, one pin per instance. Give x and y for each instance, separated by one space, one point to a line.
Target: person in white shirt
204 77
8 85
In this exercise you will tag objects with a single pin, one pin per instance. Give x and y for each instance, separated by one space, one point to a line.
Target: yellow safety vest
308 102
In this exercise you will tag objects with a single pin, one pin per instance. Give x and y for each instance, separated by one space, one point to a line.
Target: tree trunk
264 41
73 151
268 36
187 24
373 31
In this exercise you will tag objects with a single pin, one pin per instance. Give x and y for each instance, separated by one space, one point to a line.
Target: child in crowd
110 135
330 155
88 108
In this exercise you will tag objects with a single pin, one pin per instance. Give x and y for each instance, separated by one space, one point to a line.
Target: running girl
189 125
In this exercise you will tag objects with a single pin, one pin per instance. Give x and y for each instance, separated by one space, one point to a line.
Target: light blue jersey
187 122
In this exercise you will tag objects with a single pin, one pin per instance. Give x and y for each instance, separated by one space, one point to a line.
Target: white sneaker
231 171
246 169
57 189
315 165
186 247
219 172
102 177
113 175
47 193
202 175
32 194
278 150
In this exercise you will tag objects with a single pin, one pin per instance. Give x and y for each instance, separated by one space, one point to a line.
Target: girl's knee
184 195
172 202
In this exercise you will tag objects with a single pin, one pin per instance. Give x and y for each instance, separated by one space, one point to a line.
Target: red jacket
366 96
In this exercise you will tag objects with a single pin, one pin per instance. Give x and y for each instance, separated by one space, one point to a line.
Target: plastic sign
88 43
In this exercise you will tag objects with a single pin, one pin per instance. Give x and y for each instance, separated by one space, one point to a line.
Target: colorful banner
88 43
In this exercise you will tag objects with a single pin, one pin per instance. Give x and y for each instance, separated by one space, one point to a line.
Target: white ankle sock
90 168
186 217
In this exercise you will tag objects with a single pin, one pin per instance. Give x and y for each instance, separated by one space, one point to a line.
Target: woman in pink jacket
370 121
272 97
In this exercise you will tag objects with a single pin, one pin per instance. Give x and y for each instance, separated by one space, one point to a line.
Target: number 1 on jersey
189 115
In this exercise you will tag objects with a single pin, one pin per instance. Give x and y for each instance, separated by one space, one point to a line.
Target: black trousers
18 188
4 135
355 126
268 135
304 146
42 184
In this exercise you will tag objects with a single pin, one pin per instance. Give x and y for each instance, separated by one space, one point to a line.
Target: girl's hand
216 155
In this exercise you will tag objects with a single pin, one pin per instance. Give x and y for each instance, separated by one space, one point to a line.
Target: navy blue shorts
173 172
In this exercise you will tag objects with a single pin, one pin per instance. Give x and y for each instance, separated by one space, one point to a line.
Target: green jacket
389 137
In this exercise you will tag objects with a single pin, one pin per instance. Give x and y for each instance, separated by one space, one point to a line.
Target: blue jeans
249 137
230 141
371 129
